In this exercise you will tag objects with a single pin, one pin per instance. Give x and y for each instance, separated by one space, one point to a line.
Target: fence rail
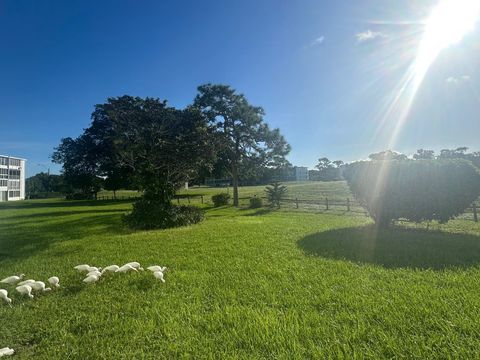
345 205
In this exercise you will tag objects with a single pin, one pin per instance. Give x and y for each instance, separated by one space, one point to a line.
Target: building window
14 185
14 174
3 160
12 194
3 182
14 162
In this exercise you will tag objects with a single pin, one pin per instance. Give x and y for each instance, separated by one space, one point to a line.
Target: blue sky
326 72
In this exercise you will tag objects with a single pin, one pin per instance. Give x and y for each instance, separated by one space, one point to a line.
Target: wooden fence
344 206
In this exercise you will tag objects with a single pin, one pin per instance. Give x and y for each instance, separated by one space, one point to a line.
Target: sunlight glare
449 22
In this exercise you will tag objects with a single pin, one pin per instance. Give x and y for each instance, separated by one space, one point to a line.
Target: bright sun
449 22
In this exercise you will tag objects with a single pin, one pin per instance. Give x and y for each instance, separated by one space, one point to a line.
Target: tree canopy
243 138
161 146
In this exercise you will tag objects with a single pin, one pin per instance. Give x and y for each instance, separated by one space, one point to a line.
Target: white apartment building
12 178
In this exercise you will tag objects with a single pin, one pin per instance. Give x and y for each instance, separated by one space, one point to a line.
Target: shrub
152 214
220 199
276 192
256 202
416 190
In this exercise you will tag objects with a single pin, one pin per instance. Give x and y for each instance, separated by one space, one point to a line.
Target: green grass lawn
301 189
242 284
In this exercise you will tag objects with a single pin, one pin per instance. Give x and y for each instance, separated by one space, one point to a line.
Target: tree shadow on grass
48 215
260 212
58 203
23 239
395 247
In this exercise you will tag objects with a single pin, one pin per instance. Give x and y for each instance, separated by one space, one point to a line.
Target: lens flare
449 22
447 25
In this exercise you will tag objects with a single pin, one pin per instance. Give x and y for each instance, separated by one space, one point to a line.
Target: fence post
348 204
326 203
178 200
475 215
188 198
202 199
296 202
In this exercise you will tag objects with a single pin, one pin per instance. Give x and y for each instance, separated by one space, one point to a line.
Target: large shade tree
161 146
81 164
244 140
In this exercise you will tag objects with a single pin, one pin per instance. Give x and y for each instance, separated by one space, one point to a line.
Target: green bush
220 199
151 214
256 202
276 192
416 190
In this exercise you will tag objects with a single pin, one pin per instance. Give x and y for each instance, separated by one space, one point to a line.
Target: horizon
333 77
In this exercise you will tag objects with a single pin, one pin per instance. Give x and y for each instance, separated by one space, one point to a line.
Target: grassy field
242 284
301 189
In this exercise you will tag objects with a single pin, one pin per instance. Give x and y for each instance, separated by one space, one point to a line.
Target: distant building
301 173
12 178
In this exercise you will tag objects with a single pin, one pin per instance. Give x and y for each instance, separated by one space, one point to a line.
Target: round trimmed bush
415 190
256 202
151 214
220 199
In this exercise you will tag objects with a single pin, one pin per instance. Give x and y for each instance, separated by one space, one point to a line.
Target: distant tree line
43 184
326 170
422 154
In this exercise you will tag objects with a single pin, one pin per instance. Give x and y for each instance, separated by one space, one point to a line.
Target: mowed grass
243 284
304 190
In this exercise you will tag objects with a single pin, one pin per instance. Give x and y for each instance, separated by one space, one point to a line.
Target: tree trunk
235 184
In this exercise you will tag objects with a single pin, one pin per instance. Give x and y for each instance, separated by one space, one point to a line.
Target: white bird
39 286
4 296
26 282
86 268
54 281
6 351
12 280
25 290
135 265
159 275
90 279
111 268
155 268
95 272
126 268
83 267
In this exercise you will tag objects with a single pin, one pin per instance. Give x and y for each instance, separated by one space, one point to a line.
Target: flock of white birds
93 274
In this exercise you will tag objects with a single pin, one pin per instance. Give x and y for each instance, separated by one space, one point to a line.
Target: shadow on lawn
58 203
50 215
23 239
259 211
395 247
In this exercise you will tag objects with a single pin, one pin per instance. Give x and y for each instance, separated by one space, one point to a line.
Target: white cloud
369 35
317 41
452 80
